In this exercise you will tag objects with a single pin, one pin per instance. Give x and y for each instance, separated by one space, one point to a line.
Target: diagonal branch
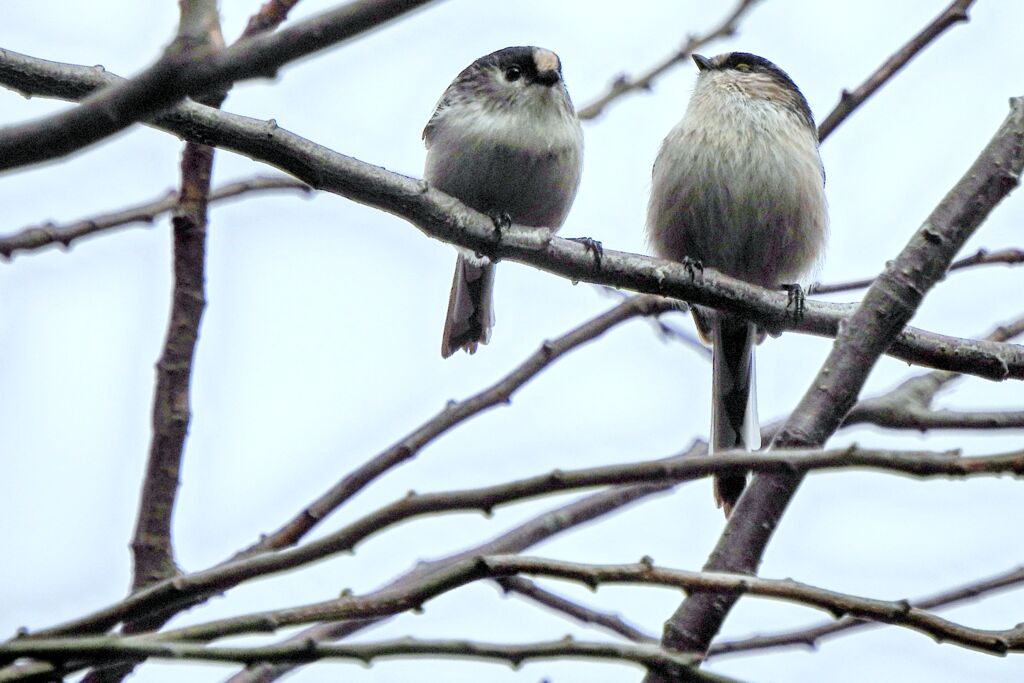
40 236
954 14
887 307
610 622
442 217
183 71
624 84
454 414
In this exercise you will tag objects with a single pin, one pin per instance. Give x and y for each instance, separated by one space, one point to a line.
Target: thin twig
37 237
982 257
585 615
115 648
954 14
811 636
626 84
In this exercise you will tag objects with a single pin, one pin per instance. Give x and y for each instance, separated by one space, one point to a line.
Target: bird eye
513 73
743 66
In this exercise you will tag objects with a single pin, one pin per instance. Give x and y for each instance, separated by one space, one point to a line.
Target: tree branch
111 647
624 84
811 636
37 237
454 414
955 13
183 72
982 257
443 217
894 612
586 615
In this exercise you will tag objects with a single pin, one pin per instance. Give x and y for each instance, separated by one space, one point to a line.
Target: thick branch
887 307
182 72
444 218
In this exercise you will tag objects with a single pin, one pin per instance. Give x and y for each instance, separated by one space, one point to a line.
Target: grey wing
432 124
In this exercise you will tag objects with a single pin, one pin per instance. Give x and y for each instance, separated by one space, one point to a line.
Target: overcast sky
320 342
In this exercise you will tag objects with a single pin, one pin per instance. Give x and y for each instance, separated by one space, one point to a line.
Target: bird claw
692 267
795 299
502 220
591 245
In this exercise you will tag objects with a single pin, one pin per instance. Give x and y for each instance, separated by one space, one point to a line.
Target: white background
319 346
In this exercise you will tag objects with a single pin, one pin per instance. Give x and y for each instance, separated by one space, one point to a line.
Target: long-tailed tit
739 187
505 140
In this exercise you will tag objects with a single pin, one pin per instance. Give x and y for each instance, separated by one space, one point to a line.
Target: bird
504 139
738 186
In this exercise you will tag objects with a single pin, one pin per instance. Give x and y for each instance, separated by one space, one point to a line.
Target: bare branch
37 237
454 414
887 307
624 84
982 257
182 72
514 654
811 636
894 612
586 615
849 101
666 472
442 217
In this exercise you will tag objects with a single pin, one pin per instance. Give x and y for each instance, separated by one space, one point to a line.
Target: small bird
738 186
505 140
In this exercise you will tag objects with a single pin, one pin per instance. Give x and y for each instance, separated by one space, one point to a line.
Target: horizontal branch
894 612
183 71
514 654
443 217
811 636
187 587
40 236
982 257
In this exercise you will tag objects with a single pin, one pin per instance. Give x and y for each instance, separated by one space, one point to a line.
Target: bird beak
703 63
548 78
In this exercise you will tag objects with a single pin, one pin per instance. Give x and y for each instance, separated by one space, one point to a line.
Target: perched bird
505 140
738 186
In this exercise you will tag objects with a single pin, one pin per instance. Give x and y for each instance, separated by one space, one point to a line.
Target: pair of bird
738 186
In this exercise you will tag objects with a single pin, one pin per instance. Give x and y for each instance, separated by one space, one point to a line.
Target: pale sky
319 345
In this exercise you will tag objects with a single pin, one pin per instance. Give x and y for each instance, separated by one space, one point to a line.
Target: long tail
470 309
734 422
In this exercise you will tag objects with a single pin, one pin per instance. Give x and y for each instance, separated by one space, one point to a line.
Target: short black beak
548 78
703 63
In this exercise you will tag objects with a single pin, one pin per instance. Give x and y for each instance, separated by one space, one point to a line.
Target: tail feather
734 423
470 308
